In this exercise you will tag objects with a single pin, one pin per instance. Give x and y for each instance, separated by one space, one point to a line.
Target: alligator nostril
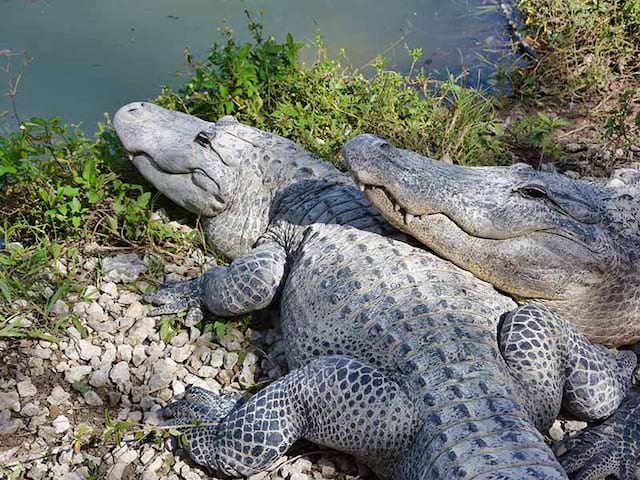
131 110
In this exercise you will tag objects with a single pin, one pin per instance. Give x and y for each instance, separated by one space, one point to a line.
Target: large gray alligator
399 357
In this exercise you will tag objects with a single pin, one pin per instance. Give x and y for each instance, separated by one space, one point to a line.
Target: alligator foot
197 416
178 297
611 448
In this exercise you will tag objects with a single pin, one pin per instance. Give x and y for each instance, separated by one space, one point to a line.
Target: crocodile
399 357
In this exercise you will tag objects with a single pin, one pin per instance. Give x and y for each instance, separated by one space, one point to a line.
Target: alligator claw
611 448
177 297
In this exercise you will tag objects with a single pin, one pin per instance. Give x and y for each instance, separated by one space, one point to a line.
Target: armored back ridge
398 356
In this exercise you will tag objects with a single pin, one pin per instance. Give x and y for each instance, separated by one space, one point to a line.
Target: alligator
399 357
569 246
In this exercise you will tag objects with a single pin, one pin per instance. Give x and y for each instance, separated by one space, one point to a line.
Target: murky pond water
91 56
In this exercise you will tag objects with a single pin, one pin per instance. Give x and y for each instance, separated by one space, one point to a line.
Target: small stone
128 298
138 355
61 424
207 372
92 398
10 401
60 308
58 396
125 352
123 268
135 311
99 378
164 372
110 288
180 340
120 376
177 387
30 410
575 147
181 354
88 350
216 358
41 352
75 374
26 388
327 467
574 425
555 432
230 360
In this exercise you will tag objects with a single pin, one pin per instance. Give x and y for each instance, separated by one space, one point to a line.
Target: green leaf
637 121
80 387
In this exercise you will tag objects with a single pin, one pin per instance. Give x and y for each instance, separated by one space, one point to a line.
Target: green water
90 56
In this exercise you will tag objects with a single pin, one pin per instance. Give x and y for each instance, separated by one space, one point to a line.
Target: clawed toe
198 406
610 449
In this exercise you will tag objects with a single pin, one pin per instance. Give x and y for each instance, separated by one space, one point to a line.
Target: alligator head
540 237
225 172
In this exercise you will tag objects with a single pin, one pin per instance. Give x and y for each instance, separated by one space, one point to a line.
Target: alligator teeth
408 218
396 207
361 186
131 157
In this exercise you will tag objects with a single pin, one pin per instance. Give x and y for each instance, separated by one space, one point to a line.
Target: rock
99 378
88 350
135 311
124 352
60 308
92 398
26 388
75 374
180 340
138 356
30 410
61 424
177 387
181 354
164 372
10 401
573 426
110 288
120 376
230 360
216 358
575 147
128 298
327 467
41 352
38 471
58 396
123 268
555 432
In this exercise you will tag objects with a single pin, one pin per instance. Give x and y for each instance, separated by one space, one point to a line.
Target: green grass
325 104
586 45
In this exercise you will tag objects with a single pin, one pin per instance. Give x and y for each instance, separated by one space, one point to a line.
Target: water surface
91 56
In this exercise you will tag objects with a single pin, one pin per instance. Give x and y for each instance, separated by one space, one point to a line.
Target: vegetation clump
586 46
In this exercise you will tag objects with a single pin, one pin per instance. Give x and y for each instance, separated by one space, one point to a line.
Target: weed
585 45
623 123
533 138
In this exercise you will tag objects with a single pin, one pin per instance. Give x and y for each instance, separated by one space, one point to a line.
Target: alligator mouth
207 184
408 218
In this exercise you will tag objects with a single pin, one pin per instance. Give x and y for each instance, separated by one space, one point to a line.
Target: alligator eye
535 192
202 139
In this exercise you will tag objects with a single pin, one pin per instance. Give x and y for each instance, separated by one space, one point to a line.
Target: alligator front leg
611 448
249 284
555 365
334 401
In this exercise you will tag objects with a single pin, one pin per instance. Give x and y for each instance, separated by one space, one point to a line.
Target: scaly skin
572 246
569 246
394 351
